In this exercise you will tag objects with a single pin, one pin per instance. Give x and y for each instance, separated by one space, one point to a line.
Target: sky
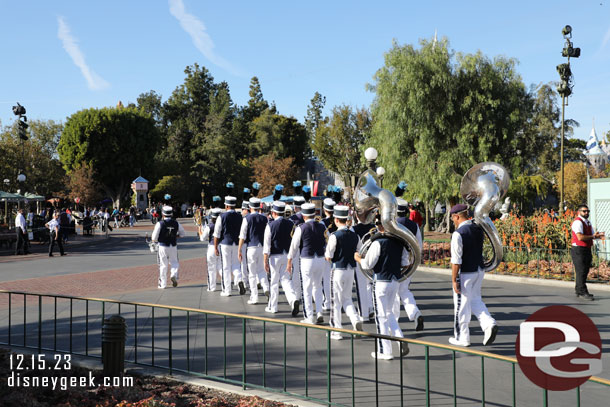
59 57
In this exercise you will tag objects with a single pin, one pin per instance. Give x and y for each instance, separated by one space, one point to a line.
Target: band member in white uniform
467 277
226 240
245 211
404 292
213 261
251 236
328 221
340 250
309 241
166 233
386 256
297 220
275 249
364 287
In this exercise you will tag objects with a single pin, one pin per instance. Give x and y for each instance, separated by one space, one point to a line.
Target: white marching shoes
381 356
490 335
455 342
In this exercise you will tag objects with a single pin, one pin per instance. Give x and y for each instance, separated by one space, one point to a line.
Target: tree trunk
427 218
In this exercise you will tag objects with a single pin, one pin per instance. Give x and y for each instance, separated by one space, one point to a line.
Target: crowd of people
315 259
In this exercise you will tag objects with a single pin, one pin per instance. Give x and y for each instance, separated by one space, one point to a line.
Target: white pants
405 296
214 267
277 266
364 293
341 297
167 256
230 264
297 281
242 273
326 286
256 271
311 275
384 295
469 302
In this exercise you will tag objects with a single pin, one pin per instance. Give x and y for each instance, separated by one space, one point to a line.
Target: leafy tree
338 140
257 103
575 183
436 114
269 170
175 185
116 143
282 135
150 103
185 113
314 118
524 189
83 184
36 157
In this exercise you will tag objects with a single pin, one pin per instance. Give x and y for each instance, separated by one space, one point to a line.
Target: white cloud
94 81
196 29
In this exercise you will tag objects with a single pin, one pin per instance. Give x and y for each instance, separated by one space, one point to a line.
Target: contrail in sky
94 81
202 41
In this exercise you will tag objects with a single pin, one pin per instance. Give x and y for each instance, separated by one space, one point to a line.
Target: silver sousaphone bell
370 199
483 186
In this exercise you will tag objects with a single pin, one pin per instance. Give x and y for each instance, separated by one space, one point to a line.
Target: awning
33 197
8 197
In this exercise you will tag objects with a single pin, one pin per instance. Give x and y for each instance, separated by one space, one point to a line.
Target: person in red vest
582 241
415 216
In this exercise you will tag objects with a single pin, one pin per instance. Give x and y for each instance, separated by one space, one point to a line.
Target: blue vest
362 229
312 239
297 219
231 224
168 232
347 242
280 228
211 225
330 224
472 247
255 232
388 264
409 224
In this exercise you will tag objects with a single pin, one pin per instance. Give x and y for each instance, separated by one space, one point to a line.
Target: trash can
114 333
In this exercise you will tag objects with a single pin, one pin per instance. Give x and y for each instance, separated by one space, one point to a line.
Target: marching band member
364 288
308 240
342 245
404 293
386 256
166 233
467 277
275 248
328 221
252 234
213 261
226 235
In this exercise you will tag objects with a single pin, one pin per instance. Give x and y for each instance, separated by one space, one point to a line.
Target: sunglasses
584 210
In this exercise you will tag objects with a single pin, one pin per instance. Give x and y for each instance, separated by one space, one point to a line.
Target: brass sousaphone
370 199
483 186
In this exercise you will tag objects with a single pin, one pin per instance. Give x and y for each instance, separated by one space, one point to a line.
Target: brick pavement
107 282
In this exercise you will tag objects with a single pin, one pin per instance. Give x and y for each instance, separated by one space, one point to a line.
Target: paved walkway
82 273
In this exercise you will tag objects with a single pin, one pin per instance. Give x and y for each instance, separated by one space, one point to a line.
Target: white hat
329 204
167 210
216 212
230 200
341 212
298 201
308 209
278 207
402 205
255 203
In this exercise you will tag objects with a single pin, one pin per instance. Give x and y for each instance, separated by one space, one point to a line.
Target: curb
524 280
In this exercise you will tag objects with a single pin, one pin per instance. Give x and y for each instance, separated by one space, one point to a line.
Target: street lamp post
565 90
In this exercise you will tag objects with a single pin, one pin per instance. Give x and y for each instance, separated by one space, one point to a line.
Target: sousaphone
483 186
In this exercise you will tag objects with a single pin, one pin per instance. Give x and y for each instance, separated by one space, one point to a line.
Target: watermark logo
559 348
